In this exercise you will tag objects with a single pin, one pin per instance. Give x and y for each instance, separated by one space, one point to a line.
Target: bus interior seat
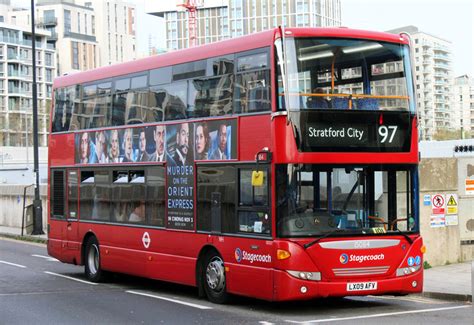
370 104
317 102
340 103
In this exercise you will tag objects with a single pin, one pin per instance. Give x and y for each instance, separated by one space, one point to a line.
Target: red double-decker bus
280 165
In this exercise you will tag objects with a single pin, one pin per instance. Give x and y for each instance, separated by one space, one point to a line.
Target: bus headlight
407 270
310 276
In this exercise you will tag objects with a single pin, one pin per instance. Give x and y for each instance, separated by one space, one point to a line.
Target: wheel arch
88 235
199 267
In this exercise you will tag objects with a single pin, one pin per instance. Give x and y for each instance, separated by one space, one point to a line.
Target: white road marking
49 258
13 264
265 323
377 315
420 299
70 278
169 299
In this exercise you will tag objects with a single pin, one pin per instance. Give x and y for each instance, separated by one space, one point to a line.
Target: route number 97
387 133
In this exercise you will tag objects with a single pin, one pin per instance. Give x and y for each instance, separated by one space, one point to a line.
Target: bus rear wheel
213 278
92 267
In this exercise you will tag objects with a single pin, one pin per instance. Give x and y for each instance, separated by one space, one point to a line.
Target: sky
451 20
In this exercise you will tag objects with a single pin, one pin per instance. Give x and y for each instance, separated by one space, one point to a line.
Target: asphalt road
37 289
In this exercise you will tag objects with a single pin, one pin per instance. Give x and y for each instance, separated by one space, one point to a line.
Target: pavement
448 282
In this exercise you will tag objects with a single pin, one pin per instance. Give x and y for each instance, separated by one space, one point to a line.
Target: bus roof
244 43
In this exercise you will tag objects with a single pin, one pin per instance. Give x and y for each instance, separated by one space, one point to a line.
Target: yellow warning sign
452 201
452 204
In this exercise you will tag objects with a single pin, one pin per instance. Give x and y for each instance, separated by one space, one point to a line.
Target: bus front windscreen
351 74
316 200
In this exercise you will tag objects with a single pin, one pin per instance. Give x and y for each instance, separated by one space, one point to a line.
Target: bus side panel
250 266
170 256
173 255
55 243
121 247
254 135
62 145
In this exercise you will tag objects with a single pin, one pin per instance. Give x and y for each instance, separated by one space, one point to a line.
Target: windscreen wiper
405 235
308 245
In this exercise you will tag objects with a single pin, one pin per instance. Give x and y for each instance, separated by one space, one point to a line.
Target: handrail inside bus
345 95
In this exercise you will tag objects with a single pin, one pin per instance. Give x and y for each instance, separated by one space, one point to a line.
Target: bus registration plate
361 286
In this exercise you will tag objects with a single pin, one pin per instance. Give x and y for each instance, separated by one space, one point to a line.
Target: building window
67 21
79 22
48 16
75 56
93 24
49 75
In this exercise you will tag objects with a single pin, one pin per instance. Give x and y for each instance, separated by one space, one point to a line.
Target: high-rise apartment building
73 32
115 30
222 19
434 81
464 106
16 81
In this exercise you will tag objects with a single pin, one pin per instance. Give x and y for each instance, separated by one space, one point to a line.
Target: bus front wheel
214 281
92 261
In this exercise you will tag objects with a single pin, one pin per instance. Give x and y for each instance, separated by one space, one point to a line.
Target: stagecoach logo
343 258
241 255
146 240
238 255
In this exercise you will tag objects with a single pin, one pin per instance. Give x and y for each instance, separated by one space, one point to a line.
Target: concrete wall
449 244
11 204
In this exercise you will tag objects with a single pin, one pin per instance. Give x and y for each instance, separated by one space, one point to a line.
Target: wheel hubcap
93 259
215 274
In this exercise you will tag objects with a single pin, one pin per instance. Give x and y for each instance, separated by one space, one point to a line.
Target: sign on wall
438 204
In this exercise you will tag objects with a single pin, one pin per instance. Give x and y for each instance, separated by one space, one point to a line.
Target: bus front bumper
288 287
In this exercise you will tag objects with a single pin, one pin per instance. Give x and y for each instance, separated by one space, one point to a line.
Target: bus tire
213 278
92 268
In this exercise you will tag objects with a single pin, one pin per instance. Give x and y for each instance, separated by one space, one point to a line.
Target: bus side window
252 92
101 113
120 192
208 184
122 86
253 214
57 194
137 100
155 196
86 195
59 117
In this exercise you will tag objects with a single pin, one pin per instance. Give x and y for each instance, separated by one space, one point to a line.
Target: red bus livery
281 165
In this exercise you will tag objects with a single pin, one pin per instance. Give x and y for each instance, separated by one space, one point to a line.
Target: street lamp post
37 208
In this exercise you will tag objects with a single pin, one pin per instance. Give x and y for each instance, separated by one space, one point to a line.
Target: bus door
71 231
253 249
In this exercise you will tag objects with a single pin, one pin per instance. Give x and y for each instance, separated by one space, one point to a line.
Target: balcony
441 48
18 92
82 37
441 65
53 37
29 43
47 21
12 40
13 57
442 57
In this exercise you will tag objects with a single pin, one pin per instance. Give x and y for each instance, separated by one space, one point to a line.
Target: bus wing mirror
257 178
